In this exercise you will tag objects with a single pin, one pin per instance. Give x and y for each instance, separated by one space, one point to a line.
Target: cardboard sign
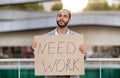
59 55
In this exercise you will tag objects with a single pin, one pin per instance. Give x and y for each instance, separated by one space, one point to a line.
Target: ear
69 19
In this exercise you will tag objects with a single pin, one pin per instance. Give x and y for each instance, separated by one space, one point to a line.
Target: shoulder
72 32
51 32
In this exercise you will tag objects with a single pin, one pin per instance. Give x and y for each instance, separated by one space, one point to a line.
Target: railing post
100 70
18 68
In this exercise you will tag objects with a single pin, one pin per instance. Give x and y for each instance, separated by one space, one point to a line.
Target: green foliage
6 7
97 5
114 7
119 6
57 6
32 6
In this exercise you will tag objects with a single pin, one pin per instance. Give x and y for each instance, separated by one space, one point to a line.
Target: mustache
61 21
62 26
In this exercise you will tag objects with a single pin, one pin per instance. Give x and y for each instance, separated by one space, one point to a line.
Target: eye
59 15
65 16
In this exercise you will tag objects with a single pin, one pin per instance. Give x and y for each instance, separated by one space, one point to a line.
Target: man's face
62 18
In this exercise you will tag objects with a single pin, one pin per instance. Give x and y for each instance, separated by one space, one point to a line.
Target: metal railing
100 60
98 65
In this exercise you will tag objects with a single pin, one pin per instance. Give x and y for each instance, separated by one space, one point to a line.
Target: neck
62 30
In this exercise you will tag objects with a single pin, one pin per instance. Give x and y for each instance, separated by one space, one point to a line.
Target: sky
75 5
78 5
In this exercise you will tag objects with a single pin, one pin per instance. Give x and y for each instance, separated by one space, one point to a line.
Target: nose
61 18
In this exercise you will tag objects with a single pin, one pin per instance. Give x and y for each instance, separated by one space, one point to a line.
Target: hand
83 49
34 45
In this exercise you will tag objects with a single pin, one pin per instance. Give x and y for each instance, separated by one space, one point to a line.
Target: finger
34 44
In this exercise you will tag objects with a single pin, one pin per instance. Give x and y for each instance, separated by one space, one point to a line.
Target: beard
63 25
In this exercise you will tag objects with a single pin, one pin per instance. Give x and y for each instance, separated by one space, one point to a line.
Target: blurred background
21 20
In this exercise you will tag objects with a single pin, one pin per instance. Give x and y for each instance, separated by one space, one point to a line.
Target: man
63 18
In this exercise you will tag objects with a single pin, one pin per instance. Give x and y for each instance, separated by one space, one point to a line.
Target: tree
57 6
119 6
97 5
6 7
32 6
114 7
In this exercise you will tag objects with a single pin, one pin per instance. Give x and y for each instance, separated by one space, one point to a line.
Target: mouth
61 22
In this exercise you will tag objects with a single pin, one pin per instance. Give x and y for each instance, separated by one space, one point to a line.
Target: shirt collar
56 33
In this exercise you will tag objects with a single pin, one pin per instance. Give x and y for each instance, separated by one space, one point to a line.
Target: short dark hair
68 12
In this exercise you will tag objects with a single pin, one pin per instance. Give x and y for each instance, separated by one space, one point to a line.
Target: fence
101 64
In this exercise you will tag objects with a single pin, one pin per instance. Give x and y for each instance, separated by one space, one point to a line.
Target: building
18 28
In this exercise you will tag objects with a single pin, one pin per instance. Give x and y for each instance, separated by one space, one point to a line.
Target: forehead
63 12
